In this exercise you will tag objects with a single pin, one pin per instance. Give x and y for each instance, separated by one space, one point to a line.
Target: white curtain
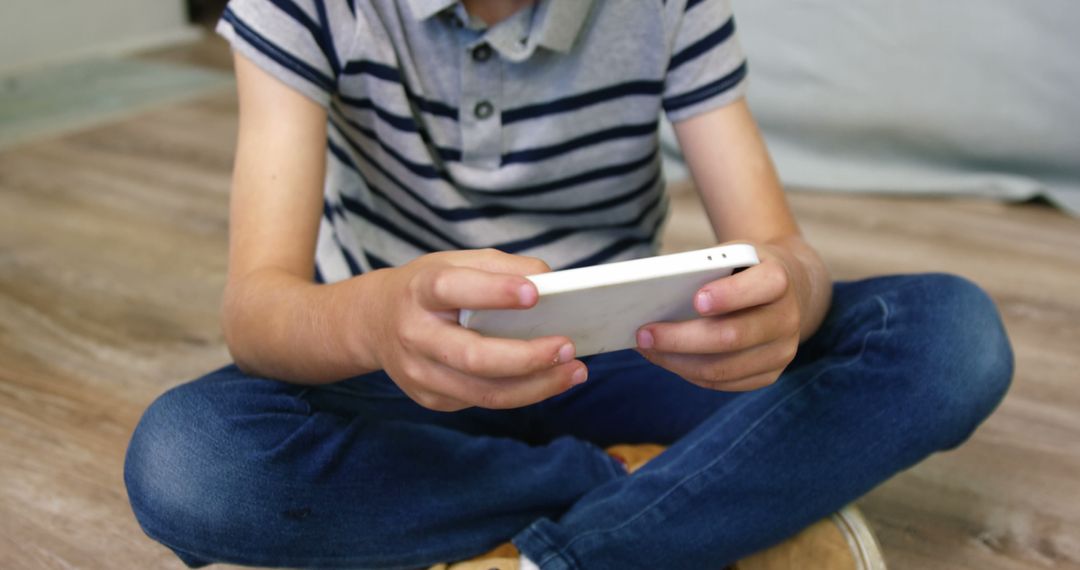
922 96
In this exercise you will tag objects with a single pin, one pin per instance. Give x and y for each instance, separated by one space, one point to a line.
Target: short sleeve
707 67
300 42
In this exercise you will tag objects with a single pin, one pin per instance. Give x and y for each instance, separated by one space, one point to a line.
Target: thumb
496 261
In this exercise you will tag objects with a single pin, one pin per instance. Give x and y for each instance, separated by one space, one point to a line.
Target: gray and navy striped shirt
536 136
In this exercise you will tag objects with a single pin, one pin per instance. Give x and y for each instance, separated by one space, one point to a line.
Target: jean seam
742 437
555 551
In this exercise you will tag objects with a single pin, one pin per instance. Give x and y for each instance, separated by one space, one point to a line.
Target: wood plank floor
112 256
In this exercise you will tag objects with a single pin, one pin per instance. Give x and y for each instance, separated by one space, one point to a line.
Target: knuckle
408 337
780 278
484 255
492 400
437 403
730 338
440 284
716 374
440 258
790 350
415 282
665 340
426 399
669 339
537 359
539 265
412 370
415 289
530 362
449 406
792 320
472 359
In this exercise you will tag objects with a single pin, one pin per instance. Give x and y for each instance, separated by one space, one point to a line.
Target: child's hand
748 332
445 367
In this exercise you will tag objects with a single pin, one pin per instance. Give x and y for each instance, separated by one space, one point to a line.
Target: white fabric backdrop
922 96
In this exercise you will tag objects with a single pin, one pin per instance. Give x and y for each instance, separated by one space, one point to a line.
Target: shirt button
481 53
451 18
483 109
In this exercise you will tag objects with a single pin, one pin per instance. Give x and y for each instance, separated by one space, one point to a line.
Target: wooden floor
112 257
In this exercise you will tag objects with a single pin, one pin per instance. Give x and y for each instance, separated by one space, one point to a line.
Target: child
418 157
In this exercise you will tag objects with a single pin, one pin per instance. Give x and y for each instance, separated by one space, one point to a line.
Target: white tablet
601 307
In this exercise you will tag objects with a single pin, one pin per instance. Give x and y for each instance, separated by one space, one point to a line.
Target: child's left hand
748 331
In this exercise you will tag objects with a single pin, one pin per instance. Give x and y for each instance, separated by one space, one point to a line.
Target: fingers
731 332
747 334
758 285
709 335
747 384
432 400
438 387
445 367
516 391
473 354
496 261
449 287
742 370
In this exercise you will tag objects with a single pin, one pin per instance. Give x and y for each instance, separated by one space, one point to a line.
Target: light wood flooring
112 257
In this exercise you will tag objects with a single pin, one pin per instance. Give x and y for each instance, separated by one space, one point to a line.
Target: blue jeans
231 468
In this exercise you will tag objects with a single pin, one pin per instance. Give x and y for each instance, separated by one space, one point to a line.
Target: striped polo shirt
535 136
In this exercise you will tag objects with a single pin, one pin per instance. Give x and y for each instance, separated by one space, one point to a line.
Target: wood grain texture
112 249
112 259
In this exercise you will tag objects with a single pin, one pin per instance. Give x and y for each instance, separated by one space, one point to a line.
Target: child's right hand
446 367
278 324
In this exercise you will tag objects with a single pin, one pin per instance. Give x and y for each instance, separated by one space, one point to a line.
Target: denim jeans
232 468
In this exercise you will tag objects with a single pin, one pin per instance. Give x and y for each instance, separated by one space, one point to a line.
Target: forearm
280 326
744 200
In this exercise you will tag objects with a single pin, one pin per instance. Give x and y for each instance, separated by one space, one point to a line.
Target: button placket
479 116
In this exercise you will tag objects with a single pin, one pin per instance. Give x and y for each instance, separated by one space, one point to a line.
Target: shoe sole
861 540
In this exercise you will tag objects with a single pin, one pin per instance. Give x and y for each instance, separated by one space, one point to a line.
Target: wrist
281 326
810 281
361 313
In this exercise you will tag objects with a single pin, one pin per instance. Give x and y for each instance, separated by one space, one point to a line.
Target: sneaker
506 556
503 557
634 456
844 541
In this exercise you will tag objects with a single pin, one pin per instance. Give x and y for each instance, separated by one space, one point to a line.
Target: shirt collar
555 24
559 22
424 9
